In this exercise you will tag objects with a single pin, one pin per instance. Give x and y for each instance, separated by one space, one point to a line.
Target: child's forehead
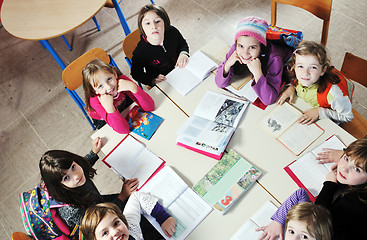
151 14
307 58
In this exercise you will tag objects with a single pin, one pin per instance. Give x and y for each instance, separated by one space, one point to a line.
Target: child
344 194
252 53
319 84
160 49
106 221
108 93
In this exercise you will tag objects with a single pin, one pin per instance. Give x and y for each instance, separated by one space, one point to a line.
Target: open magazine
211 127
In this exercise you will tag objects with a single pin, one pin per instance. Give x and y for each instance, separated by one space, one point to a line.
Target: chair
73 78
20 236
355 68
320 9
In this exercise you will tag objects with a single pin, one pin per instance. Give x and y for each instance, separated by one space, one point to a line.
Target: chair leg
152 1
66 42
97 25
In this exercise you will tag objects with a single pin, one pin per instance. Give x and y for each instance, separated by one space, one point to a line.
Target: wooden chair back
72 74
20 236
320 8
130 42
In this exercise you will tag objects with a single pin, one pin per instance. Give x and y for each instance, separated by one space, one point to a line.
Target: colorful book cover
227 181
143 123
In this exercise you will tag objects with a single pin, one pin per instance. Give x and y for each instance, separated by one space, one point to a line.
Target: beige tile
3 234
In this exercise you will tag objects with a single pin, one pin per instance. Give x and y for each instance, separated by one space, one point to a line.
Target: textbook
188 208
143 123
261 218
308 173
187 78
212 125
227 181
131 159
282 124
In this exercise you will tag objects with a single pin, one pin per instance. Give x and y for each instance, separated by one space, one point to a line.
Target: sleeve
137 69
220 80
268 86
71 215
144 100
341 107
182 44
159 213
327 194
298 196
91 157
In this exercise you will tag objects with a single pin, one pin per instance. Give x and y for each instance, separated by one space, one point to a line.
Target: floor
39 115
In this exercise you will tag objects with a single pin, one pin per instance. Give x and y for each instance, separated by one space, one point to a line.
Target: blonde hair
94 215
90 76
316 217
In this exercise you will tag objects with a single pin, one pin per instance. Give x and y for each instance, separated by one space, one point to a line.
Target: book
188 208
187 78
308 173
282 124
227 181
241 87
131 159
261 218
212 125
143 123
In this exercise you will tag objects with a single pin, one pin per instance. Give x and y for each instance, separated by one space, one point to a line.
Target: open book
187 78
211 127
227 181
261 218
308 173
188 208
282 124
131 159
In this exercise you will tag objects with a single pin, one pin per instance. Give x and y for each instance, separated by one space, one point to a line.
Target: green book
225 183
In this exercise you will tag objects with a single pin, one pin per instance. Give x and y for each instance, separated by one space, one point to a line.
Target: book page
200 65
182 80
280 119
310 173
299 136
247 231
263 216
246 91
220 108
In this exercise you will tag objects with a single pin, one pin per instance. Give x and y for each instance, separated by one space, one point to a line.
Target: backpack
40 217
290 37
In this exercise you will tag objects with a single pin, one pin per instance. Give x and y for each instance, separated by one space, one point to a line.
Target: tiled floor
38 114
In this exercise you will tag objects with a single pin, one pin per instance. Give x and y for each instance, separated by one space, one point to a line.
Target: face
74 176
308 69
107 83
248 48
348 173
153 26
297 230
111 227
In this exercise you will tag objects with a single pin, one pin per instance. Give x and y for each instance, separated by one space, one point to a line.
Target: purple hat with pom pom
254 27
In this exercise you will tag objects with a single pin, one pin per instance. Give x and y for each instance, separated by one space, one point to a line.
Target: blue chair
73 78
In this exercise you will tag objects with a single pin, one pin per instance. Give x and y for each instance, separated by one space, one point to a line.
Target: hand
169 226
331 176
230 62
182 61
288 93
329 155
106 101
272 231
255 68
129 186
160 78
96 145
126 85
309 116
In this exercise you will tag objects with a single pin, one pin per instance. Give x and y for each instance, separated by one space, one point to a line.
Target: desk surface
45 19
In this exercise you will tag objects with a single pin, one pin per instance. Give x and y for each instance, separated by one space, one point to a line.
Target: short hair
316 217
94 215
158 10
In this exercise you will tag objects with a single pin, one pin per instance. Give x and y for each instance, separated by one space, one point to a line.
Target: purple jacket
268 86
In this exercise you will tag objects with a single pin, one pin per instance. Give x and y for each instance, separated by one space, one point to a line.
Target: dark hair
317 50
94 215
52 166
158 10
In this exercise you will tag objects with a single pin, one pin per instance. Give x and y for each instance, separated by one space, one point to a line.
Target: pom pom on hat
254 27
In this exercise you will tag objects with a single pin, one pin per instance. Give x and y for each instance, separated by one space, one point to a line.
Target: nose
115 232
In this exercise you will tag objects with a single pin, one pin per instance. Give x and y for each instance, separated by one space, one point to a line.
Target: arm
327 194
138 65
223 80
144 100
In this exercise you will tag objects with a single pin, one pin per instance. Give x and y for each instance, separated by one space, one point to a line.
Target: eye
104 233
116 223
239 46
304 237
291 231
253 47
65 178
157 21
314 68
73 167
356 169
299 66
99 86
109 79
346 158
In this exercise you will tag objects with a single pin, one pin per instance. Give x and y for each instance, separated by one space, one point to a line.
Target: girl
160 49
108 93
319 84
106 221
252 53
344 194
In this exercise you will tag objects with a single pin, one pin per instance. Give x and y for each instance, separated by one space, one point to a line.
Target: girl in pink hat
252 53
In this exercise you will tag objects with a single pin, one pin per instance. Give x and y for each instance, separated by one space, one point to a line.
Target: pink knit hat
254 27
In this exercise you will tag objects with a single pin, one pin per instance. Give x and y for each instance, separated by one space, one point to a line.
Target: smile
80 180
342 175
